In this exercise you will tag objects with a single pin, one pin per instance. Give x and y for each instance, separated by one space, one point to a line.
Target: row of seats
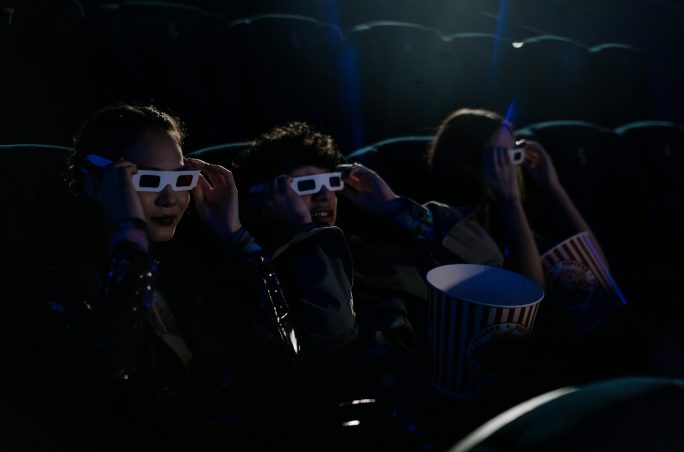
517 18
234 79
461 16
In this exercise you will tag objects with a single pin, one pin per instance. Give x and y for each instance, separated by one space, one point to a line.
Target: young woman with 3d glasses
471 163
137 329
475 160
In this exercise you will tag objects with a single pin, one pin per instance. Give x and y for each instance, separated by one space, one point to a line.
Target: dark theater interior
421 225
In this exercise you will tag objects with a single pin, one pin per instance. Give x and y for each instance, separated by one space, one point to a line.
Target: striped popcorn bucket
580 288
479 320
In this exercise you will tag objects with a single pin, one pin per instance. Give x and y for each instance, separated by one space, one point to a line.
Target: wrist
390 207
229 231
241 242
130 234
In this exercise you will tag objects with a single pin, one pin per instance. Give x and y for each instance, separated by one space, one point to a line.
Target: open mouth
165 220
322 216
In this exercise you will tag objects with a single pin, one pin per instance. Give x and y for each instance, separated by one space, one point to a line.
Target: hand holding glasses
517 154
153 180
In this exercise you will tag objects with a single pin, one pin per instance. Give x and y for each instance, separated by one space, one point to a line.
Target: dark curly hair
282 150
112 129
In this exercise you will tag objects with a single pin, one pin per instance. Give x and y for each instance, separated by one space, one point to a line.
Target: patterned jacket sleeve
448 232
271 319
96 342
121 310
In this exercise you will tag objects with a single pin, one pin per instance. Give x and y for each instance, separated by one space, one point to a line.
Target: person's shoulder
314 235
443 209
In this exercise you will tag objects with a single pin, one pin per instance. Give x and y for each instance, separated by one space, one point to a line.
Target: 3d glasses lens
517 155
335 182
149 181
306 185
184 180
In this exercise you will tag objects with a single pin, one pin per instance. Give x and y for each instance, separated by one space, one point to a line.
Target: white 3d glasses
154 181
517 154
313 183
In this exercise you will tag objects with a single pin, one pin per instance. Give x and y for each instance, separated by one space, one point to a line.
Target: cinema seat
37 199
172 55
659 147
552 80
402 68
627 414
480 72
602 178
294 68
620 83
401 162
43 78
221 154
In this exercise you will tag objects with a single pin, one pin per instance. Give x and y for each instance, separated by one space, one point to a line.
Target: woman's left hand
216 198
365 188
539 166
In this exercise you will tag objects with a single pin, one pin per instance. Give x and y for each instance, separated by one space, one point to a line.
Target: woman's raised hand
500 174
116 194
283 206
216 198
539 166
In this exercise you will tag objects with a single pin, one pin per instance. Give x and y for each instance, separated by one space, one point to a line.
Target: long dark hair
455 155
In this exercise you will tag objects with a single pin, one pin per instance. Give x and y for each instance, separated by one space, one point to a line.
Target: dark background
231 78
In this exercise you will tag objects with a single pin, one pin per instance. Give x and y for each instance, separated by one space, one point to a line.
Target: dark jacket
107 363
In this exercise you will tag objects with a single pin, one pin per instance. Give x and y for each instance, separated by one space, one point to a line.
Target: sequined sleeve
406 214
127 295
92 336
271 318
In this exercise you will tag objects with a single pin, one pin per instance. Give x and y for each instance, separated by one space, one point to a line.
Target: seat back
221 154
552 80
37 198
400 161
401 74
294 69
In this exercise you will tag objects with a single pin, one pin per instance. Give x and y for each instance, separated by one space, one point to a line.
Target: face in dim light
163 210
323 204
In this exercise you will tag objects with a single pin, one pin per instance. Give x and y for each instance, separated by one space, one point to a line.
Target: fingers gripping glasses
313 183
517 154
152 180
155 181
